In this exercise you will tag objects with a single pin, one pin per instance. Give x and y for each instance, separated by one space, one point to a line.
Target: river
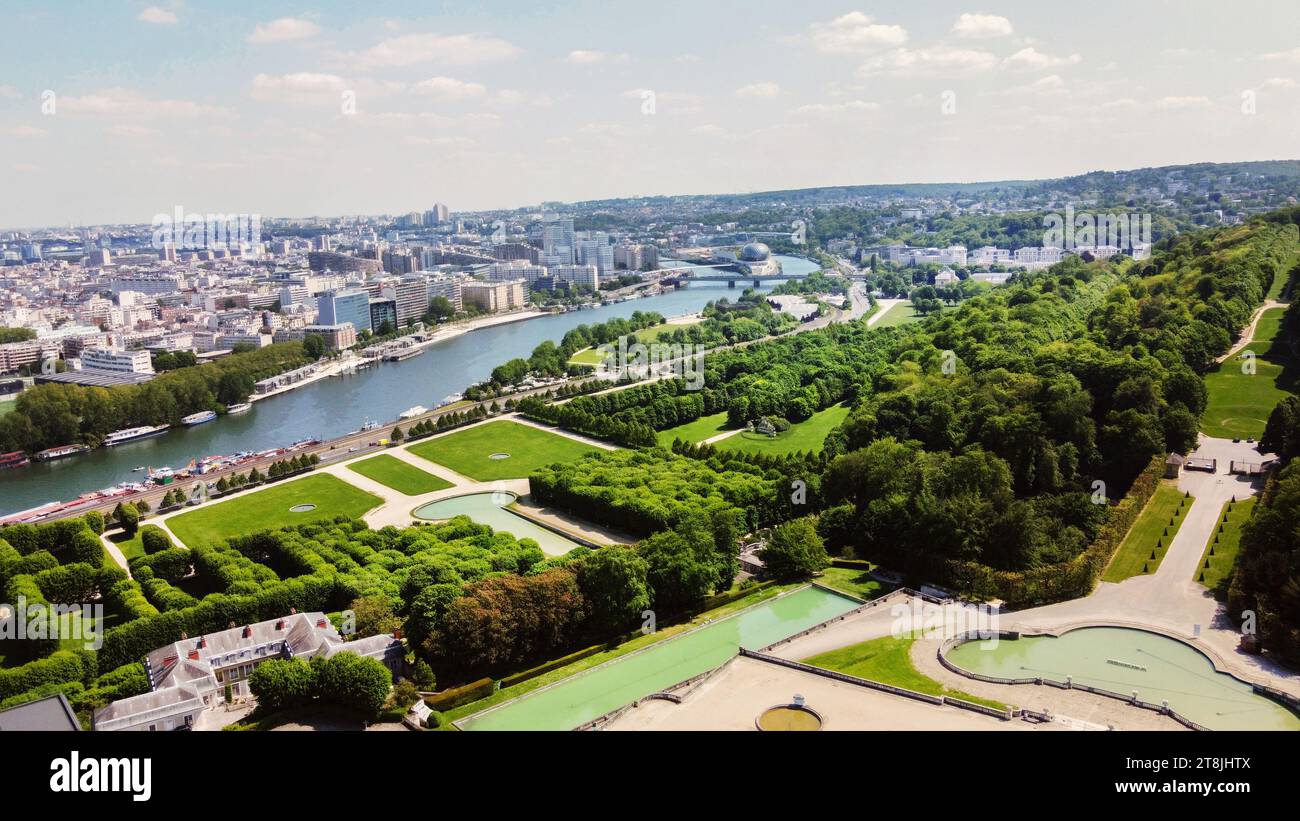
337 405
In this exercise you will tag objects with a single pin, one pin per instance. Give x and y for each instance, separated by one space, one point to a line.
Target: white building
116 361
191 675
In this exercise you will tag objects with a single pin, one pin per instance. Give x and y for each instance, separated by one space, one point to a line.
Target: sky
112 112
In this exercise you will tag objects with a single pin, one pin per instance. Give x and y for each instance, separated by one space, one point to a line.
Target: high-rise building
557 241
337 307
495 296
381 311
597 251
447 287
411 296
341 263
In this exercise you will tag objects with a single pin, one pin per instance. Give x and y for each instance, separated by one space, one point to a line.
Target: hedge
58 667
456 696
1066 580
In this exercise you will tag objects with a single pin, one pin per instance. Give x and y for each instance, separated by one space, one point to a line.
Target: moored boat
199 418
60 452
131 434
242 407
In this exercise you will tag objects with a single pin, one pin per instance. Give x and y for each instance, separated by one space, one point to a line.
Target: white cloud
1291 56
283 29
1279 82
1031 59
121 101
441 142
590 57
447 49
448 89
928 62
981 26
760 91
24 131
301 88
130 131
853 33
1052 84
158 16
9 93
850 107
1182 103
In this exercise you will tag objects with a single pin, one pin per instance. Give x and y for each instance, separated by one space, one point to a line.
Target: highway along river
337 405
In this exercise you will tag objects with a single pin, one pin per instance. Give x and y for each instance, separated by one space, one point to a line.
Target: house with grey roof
191 675
50 714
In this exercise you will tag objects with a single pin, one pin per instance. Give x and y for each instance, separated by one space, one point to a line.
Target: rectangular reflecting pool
590 694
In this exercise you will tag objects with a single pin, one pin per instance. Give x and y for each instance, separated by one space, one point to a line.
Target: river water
338 405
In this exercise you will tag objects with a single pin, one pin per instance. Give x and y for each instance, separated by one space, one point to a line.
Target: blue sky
327 108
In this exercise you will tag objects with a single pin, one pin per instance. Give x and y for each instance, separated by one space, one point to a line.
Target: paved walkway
1248 335
1170 598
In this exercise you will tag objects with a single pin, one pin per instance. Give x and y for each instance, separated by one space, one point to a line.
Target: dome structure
755 252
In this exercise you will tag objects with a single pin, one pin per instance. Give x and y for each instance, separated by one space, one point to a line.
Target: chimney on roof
321 622
248 631
397 633
279 625
203 641
194 655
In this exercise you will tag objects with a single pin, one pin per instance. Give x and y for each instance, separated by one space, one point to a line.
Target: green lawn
1239 403
807 436
130 548
852 581
588 356
887 661
697 431
1225 543
900 314
7 405
400 476
652 334
1152 527
468 451
256 510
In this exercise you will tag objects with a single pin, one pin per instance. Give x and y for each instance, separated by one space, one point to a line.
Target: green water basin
1122 660
597 691
490 509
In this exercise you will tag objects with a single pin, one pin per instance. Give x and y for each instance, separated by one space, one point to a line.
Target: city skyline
287 111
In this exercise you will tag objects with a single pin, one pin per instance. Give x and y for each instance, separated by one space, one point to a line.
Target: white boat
450 399
368 425
131 434
411 413
242 407
199 418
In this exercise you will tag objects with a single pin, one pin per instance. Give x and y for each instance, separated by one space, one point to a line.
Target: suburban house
191 675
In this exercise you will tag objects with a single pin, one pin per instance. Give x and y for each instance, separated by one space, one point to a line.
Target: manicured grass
7 405
1152 526
652 334
887 661
697 431
1239 403
400 476
558 674
588 356
468 451
130 548
900 314
852 581
1218 575
807 436
256 510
